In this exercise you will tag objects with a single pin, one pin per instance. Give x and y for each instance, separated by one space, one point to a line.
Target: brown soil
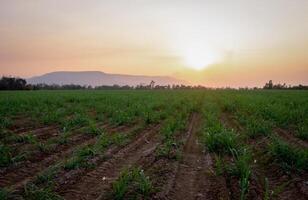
290 138
194 178
281 185
96 183
16 177
23 124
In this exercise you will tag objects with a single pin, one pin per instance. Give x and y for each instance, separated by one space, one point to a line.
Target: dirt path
194 178
95 184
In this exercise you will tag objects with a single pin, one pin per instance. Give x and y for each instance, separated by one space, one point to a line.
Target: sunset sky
210 42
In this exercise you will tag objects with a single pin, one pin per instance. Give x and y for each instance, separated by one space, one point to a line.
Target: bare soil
15 177
289 137
195 175
96 183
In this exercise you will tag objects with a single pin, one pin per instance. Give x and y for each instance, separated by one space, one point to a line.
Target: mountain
97 78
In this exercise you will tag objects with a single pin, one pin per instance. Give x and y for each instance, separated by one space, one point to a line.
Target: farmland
177 144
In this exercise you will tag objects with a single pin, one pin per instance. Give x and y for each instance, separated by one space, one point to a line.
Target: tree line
271 86
14 83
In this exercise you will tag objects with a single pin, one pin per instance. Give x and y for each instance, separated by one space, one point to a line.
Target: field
177 144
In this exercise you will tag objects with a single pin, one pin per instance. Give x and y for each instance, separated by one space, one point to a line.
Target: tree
11 83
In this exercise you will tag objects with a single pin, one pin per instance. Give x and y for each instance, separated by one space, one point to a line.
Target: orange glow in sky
208 42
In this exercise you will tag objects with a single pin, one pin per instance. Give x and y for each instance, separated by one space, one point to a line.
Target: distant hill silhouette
97 78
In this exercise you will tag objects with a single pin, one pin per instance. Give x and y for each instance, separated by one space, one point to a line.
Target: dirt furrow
291 186
290 138
194 177
15 179
96 183
37 131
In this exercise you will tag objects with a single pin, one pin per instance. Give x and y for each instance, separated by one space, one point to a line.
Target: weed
279 189
287 156
47 175
94 130
133 183
119 139
43 147
5 155
63 139
267 192
242 169
302 131
20 157
219 165
221 142
78 120
5 122
169 149
80 159
120 186
27 138
32 192
257 128
4 194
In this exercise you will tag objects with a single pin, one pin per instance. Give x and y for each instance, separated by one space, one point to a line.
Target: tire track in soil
96 183
15 179
195 177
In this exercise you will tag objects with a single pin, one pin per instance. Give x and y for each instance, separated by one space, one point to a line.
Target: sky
214 43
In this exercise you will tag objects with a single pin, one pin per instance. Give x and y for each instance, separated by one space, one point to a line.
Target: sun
199 59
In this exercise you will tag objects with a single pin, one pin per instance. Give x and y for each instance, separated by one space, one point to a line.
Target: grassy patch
255 128
220 141
169 149
289 157
132 184
5 155
33 192
242 170
77 120
302 131
80 158
4 194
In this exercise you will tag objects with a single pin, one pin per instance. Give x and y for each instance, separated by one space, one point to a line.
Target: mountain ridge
97 78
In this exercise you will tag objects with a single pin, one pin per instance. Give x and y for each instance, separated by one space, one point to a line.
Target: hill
97 78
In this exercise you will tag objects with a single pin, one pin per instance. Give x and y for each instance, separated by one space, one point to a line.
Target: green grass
132 184
302 131
4 194
5 122
82 112
256 128
289 157
242 169
220 140
26 138
32 192
170 147
80 158
5 155
47 175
